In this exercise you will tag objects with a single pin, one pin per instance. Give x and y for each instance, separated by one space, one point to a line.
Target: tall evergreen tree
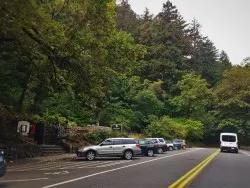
204 58
224 61
126 19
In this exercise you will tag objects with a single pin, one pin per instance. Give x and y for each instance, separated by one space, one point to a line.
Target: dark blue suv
179 144
2 164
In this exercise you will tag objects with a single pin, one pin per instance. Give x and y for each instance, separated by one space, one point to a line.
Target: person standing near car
33 130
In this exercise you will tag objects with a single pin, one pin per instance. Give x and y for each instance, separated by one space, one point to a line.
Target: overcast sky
225 22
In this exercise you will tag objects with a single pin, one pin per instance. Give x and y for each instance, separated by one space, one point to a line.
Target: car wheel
128 154
184 147
170 148
90 156
236 151
3 171
160 150
150 153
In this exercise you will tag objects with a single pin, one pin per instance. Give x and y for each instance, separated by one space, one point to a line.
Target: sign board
117 127
23 127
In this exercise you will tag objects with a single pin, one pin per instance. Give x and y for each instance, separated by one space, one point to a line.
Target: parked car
2 164
115 147
162 146
179 144
148 148
170 145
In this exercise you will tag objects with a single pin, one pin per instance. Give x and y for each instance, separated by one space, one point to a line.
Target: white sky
225 22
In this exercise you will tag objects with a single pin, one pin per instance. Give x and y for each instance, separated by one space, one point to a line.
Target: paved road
224 170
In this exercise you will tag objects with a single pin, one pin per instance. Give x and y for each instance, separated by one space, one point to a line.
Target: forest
89 61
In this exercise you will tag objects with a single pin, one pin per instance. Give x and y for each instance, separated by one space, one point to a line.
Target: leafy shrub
166 128
99 136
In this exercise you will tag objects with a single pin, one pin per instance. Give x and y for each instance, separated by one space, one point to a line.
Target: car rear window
128 141
228 138
142 142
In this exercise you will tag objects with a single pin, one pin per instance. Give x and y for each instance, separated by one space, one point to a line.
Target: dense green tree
233 100
246 62
91 61
203 57
224 60
195 97
166 128
126 19
62 45
195 129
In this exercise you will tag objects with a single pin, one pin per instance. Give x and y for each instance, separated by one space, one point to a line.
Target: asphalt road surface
199 168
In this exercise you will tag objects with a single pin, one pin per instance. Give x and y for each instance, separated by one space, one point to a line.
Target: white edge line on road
36 179
246 153
115 169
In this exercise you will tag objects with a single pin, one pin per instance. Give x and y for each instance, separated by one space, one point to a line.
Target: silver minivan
113 147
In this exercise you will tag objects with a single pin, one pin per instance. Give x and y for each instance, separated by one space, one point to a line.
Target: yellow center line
190 175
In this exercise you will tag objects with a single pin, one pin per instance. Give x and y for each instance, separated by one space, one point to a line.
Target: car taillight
138 145
156 145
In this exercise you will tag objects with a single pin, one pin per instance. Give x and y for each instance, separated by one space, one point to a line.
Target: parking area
111 155
80 163
67 165
42 173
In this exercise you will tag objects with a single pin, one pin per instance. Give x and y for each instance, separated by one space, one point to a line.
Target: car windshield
106 142
161 140
228 138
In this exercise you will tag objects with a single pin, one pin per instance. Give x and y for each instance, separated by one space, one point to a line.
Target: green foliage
232 99
166 128
68 105
49 119
195 129
99 136
195 97
234 92
89 61
148 103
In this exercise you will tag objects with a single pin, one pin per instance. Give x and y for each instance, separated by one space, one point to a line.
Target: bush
166 128
99 136
195 129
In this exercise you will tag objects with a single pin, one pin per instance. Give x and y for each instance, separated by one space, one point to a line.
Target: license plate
1 158
232 148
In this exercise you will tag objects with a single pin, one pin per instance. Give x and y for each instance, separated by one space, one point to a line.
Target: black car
162 147
148 148
2 164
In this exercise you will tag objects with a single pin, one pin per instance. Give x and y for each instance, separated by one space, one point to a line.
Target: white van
229 142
